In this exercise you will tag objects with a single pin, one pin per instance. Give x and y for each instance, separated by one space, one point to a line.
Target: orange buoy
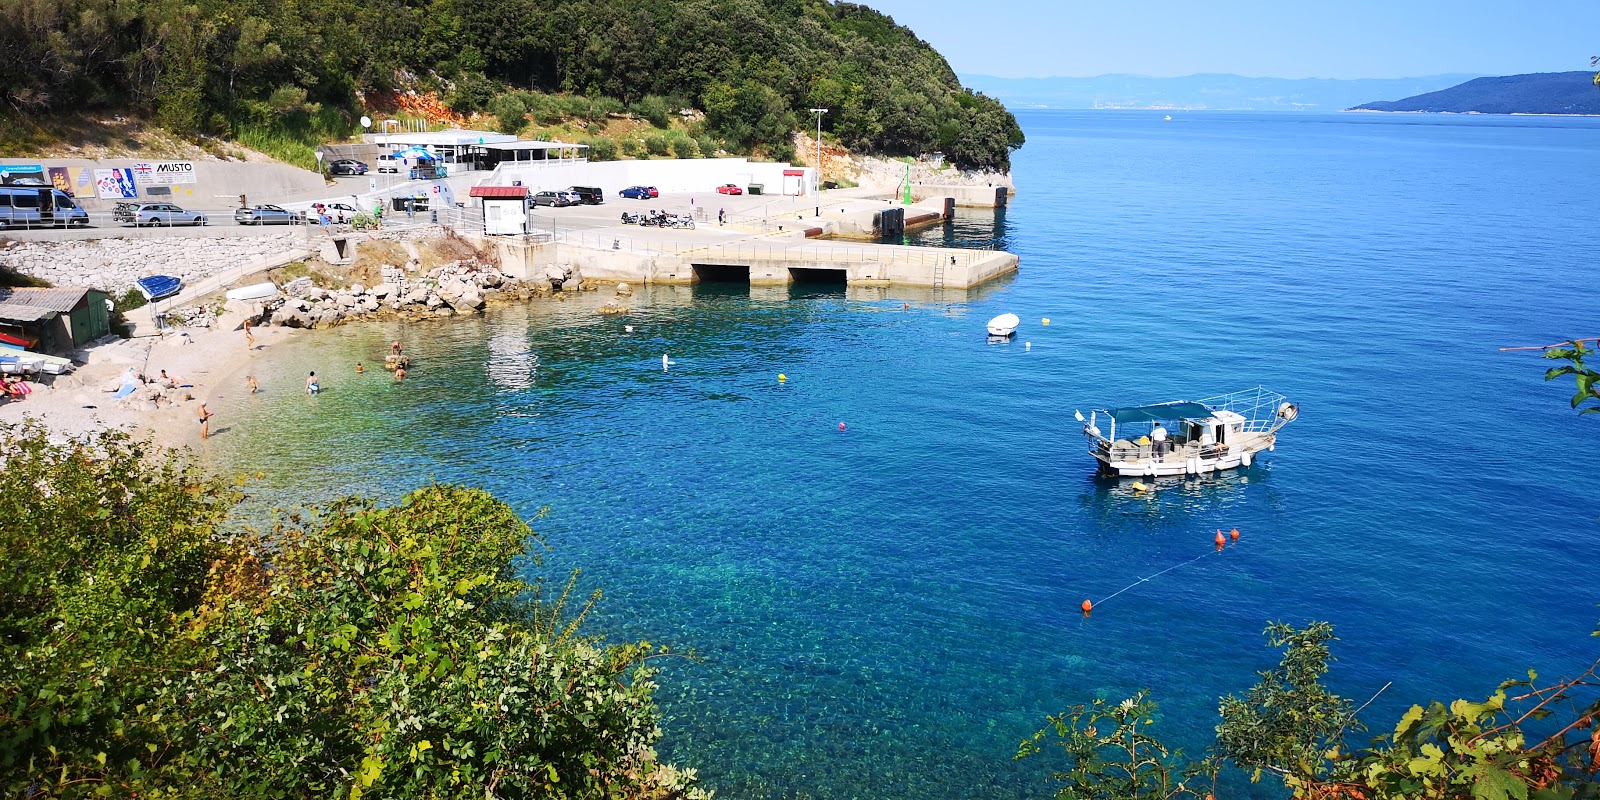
1087 607
1234 534
841 426
1220 541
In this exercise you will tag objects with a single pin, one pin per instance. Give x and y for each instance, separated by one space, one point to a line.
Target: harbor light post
819 112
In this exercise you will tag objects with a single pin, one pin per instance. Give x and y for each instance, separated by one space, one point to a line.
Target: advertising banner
165 173
82 181
23 175
61 180
115 183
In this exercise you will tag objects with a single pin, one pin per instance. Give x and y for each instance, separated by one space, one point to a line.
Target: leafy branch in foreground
1587 379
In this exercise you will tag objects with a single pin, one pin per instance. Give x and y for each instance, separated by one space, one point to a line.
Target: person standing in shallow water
251 381
399 374
205 421
312 387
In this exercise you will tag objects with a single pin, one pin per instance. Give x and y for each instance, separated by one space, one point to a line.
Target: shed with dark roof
56 320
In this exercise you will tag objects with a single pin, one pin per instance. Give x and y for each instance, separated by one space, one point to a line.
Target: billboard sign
116 183
23 175
165 173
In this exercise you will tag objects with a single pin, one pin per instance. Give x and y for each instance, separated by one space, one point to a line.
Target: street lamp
819 112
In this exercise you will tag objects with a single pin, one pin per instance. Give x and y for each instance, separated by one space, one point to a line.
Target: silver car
160 214
267 215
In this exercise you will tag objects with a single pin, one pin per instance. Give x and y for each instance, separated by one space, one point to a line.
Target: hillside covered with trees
301 69
1535 93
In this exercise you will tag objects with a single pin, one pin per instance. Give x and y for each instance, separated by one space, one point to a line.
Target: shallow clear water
886 610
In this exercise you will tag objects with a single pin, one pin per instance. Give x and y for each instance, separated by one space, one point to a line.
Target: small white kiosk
505 209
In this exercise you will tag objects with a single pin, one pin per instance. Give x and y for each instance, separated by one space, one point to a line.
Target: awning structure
499 191
1160 412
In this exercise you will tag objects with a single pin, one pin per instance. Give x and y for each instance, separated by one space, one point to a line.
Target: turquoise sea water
886 610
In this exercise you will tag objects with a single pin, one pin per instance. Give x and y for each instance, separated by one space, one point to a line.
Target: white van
387 163
28 206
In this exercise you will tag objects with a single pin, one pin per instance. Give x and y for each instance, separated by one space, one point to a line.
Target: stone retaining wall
113 264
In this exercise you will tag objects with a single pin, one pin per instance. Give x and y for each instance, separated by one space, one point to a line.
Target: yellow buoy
782 377
1045 321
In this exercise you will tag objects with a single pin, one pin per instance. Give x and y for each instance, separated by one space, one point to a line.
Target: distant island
1535 93
1211 92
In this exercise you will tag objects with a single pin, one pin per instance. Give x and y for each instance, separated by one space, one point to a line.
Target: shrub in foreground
352 651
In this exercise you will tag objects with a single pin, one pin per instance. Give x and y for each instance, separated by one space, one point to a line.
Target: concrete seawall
772 261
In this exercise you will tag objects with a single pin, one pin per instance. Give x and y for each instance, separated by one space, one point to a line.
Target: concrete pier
772 241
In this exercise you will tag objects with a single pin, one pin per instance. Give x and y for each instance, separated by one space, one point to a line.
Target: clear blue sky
1280 39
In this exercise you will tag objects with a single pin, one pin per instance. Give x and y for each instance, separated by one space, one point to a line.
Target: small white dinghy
255 291
1004 325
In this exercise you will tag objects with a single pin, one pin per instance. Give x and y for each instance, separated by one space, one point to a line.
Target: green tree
602 148
1111 754
685 147
1288 720
351 651
511 110
653 109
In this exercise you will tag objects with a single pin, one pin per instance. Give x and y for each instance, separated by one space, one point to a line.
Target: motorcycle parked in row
658 219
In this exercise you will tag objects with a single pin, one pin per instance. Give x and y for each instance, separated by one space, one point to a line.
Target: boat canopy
1160 412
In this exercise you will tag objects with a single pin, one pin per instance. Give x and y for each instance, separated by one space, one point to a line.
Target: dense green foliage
1291 726
295 69
356 650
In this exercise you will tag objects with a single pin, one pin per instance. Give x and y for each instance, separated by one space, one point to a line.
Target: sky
1281 39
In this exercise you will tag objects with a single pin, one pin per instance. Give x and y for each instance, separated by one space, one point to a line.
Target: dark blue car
639 192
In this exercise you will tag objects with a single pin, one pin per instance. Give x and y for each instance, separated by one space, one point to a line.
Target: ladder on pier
938 273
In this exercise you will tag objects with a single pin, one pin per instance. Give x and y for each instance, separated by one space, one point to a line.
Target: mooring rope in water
1090 605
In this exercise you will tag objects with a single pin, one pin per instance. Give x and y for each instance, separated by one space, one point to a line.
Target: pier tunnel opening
819 277
721 273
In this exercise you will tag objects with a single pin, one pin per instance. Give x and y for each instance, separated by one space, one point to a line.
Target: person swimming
312 387
360 369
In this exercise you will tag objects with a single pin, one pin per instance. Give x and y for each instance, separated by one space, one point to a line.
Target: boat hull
156 287
255 291
1003 325
1178 463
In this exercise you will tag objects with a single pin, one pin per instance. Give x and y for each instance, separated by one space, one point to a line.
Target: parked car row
141 214
640 192
570 196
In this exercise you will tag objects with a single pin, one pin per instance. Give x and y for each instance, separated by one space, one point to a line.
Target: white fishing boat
255 291
1188 437
1004 325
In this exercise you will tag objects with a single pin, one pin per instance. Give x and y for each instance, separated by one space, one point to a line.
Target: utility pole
819 112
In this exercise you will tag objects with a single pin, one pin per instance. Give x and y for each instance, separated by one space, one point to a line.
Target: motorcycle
632 219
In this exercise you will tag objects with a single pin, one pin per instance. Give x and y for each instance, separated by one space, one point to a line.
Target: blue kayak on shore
156 287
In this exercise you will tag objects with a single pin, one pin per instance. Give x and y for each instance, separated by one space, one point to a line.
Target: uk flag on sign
143 170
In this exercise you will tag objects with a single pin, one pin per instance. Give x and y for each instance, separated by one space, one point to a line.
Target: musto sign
165 173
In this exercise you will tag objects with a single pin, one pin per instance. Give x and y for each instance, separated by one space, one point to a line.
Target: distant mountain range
1205 91
1536 93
